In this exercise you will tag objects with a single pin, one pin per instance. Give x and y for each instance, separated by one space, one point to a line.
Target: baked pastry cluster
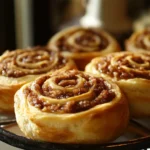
83 44
56 102
131 71
71 107
19 67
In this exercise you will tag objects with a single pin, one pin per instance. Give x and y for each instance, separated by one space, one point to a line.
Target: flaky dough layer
19 67
82 44
98 124
132 74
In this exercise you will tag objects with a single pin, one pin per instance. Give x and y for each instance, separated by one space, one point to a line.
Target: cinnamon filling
98 89
139 41
88 39
123 69
25 62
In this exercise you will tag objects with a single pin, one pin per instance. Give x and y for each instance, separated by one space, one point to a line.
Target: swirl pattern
69 92
125 65
131 72
139 41
83 44
82 40
71 107
38 60
79 39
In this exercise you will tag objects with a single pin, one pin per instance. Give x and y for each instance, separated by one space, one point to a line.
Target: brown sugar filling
139 40
83 40
11 68
118 71
101 93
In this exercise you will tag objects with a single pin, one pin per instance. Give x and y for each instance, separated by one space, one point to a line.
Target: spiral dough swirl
30 61
70 92
143 40
125 65
80 40
139 40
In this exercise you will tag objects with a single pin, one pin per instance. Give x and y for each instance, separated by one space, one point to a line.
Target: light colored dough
136 89
99 124
144 36
9 84
83 57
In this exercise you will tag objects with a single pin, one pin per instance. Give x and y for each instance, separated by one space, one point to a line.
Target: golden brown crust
22 66
131 72
98 123
83 44
139 41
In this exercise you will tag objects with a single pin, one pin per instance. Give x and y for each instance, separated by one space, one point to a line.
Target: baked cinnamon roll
139 40
22 66
83 44
131 71
71 107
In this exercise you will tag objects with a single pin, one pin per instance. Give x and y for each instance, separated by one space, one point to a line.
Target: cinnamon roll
22 66
71 107
139 40
83 44
131 71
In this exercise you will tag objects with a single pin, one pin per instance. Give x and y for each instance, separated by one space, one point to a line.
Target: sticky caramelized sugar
125 68
98 89
139 41
30 61
86 39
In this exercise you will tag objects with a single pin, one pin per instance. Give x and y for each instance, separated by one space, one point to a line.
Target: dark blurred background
45 18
